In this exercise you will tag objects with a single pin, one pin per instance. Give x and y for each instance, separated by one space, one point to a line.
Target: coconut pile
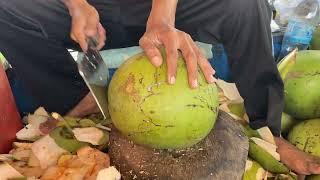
300 123
52 147
263 160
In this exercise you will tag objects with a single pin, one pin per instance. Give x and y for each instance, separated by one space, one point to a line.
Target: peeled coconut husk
254 171
250 132
47 151
8 172
286 63
266 134
225 107
66 140
229 90
237 108
265 159
91 135
270 148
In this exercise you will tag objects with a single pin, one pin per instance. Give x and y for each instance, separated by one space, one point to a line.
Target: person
35 35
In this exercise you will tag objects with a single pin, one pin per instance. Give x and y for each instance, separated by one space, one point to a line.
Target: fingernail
195 83
172 80
156 60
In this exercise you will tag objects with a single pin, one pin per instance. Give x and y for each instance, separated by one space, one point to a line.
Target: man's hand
160 31
174 40
85 23
297 160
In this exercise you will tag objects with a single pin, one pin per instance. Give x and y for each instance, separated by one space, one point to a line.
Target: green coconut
253 171
313 177
287 123
66 140
302 84
315 42
306 136
150 112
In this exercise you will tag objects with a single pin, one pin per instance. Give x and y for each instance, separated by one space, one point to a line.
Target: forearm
163 11
73 4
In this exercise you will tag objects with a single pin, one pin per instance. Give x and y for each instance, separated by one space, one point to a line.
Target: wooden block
221 155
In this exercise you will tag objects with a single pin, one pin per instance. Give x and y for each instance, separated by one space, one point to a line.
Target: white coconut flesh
270 148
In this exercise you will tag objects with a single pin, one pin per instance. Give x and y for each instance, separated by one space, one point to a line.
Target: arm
158 17
72 4
85 23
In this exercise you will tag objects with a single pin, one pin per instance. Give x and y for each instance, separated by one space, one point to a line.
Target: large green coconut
315 42
149 111
302 85
306 136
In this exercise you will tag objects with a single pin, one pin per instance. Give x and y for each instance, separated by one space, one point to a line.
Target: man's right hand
85 23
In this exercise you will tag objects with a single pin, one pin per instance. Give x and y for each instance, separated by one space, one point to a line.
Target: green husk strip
267 161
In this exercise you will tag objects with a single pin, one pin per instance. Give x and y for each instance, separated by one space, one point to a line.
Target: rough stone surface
221 155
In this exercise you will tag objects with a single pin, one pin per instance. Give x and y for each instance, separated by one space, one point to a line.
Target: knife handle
92 42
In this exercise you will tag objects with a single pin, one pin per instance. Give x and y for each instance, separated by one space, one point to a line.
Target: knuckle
187 36
152 52
198 55
190 57
142 41
190 54
77 33
145 42
171 52
169 34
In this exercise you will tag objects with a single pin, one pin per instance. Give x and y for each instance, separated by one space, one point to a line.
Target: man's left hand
173 40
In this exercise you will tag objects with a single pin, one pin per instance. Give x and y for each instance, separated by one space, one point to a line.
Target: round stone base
221 155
